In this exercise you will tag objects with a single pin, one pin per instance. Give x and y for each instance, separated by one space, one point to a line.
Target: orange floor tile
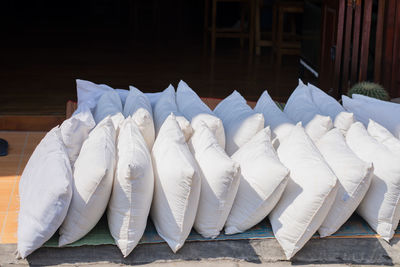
21 146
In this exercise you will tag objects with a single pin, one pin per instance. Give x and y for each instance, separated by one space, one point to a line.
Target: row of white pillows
232 110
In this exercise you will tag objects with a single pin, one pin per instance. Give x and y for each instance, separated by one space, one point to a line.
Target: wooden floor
21 146
37 75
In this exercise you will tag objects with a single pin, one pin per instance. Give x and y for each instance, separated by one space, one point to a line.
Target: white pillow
132 193
153 97
380 206
177 185
375 100
45 191
75 130
89 93
166 105
325 103
384 113
300 106
262 181
343 121
281 125
308 196
93 181
109 104
384 137
318 126
219 182
354 177
196 111
138 106
123 94
240 122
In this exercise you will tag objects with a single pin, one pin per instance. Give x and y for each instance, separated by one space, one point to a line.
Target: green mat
100 235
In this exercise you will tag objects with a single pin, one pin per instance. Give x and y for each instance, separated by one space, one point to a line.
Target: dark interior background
46 45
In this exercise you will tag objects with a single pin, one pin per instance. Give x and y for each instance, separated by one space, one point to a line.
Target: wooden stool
281 46
228 32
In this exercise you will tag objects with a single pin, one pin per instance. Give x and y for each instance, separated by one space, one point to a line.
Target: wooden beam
379 41
388 44
396 54
29 123
356 42
339 44
365 40
347 45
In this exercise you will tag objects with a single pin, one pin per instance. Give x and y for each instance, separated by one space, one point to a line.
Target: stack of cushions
280 124
354 177
162 154
220 177
166 105
240 122
93 180
307 101
309 195
383 136
89 93
138 106
262 181
177 185
75 130
109 104
300 105
197 112
45 192
383 112
132 193
380 206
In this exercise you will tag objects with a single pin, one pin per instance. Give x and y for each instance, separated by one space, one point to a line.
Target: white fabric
240 122
137 106
325 103
318 126
220 177
132 193
153 98
300 106
383 136
343 121
166 105
354 176
75 130
109 104
89 93
45 191
93 181
123 94
281 125
177 185
196 111
380 206
383 112
262 181
308 196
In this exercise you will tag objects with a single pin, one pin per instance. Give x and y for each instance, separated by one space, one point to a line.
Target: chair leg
214 25
258 28
205 37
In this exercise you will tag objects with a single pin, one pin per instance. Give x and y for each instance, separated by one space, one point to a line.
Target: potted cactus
369 89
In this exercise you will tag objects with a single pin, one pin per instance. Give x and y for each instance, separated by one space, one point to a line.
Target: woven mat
355 227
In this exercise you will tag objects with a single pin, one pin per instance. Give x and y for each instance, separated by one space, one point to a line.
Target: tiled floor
21 146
